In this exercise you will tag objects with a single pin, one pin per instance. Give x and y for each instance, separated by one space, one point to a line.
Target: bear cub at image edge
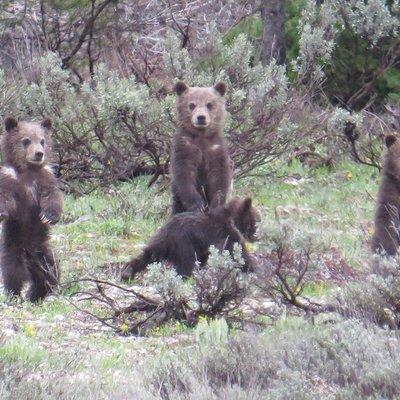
201 169
386 237
185 239
30 201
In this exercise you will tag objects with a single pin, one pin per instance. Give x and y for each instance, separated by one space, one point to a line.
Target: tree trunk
273 37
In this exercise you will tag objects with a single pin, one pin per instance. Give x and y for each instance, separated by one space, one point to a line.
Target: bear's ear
10 123
221 88
389 140
180 87
246 205
47 123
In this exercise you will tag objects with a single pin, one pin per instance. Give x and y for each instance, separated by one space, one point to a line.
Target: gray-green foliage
290 236
21 382
316 42
212 331
167 284
8 94
350 48
344 361
217 289
221 287
375 297
292 258
106 129
372 20
114 127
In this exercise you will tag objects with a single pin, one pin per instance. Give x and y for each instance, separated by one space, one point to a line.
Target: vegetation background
313 89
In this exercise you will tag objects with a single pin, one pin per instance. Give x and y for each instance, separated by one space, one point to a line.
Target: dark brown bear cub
387 220
201 169
29 202
185 239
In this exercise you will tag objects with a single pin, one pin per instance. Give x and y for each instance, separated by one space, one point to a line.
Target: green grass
112 225
22 349
338 202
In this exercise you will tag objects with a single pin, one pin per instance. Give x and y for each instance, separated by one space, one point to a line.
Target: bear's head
201 108
245 216
26 145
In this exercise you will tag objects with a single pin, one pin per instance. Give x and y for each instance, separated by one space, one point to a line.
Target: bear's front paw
4 215
49 217
127 273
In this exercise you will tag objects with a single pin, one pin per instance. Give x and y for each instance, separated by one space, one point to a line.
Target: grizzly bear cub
386 237
201 169
29 202
185 239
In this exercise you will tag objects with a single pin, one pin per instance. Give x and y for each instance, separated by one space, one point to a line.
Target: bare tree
273 40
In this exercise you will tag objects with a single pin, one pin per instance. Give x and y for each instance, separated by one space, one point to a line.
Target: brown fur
29 202
185 239
386 236
201 169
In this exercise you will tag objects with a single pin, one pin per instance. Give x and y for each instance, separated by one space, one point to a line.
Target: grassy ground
53 351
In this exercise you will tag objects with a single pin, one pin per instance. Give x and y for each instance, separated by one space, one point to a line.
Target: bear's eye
192 106
42 142
26 142
209 106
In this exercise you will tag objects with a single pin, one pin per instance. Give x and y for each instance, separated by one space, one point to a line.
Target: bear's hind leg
13 269
386 237
44 272
185 260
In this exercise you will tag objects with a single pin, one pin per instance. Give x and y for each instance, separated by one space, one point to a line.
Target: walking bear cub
201 169
387 219
30 201
185 239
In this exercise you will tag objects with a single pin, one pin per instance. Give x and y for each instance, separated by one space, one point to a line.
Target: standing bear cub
30 201
201 169
386 237
185 239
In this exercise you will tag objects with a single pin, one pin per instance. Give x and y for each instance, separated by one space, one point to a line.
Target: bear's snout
35 155
39 155
201 119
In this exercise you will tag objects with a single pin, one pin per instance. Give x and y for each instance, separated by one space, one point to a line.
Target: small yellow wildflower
249 246
124 328
30 330
202 319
